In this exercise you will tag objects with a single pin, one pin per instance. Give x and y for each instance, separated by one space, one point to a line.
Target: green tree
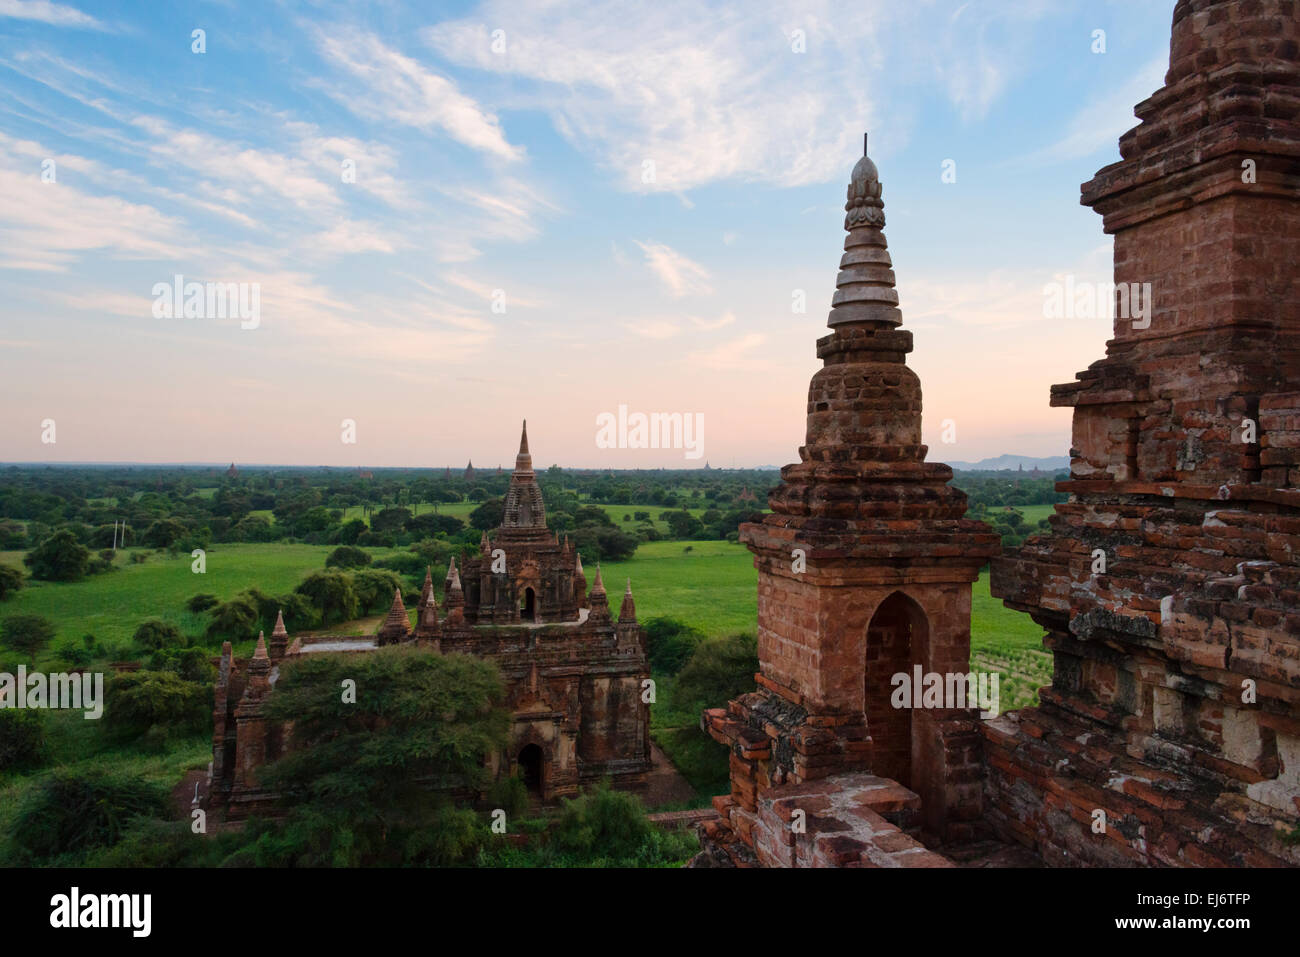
60 558
488 515
360 793
718 670
682 524
163 533
26 633
201 603
156 634
70 812
233 620
346 556
670 643
22 739
152 707
332 594
390 520
11 580
351 530
610 822
374 588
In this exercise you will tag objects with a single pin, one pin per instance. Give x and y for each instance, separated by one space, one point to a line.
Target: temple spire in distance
524 509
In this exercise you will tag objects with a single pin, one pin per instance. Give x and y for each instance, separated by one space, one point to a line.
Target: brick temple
1168 587
573 672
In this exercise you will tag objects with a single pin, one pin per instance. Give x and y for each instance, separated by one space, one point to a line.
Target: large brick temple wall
1169 585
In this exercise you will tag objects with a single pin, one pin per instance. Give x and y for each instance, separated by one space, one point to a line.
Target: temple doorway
895 640
528 610
530 768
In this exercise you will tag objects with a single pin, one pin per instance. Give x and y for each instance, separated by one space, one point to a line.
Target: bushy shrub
152 707
22 739
604 821
191 664
60 558
510 794
346 556
71 812
201 603
155 634
233 620
413 564
670 643
26 633
374 588
604 543
718 670
332 594
152 842
11 580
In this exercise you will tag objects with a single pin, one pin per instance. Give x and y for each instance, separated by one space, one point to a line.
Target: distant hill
1051 463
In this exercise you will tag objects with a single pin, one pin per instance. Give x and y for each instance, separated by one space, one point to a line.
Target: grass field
110 606
1032 514
711 586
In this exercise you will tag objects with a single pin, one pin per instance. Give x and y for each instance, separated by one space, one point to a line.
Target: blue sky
512 163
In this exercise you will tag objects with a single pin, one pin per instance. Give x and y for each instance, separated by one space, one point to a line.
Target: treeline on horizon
183 508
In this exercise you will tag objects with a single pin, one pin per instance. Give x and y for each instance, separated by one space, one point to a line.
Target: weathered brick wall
864 572
1168 584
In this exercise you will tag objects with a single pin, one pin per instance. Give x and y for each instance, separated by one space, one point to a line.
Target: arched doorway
530 768
528 608
896 638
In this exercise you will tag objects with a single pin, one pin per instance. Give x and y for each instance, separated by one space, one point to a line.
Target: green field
110 606
1032 514
711 586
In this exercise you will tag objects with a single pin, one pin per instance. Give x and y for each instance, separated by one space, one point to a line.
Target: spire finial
864 291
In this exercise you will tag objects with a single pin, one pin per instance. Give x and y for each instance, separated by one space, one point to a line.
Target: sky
447 217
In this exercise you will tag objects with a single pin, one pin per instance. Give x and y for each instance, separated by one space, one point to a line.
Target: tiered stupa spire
863 460
279 637
627 612
524 517
396 626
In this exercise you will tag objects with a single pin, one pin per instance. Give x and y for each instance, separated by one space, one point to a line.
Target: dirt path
665 784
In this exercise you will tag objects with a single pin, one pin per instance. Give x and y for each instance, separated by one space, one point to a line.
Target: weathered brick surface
1176 685
864 571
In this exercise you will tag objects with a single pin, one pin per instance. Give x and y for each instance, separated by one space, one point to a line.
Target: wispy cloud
667 105
405 91
47 226
735 354
43 11
681 275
